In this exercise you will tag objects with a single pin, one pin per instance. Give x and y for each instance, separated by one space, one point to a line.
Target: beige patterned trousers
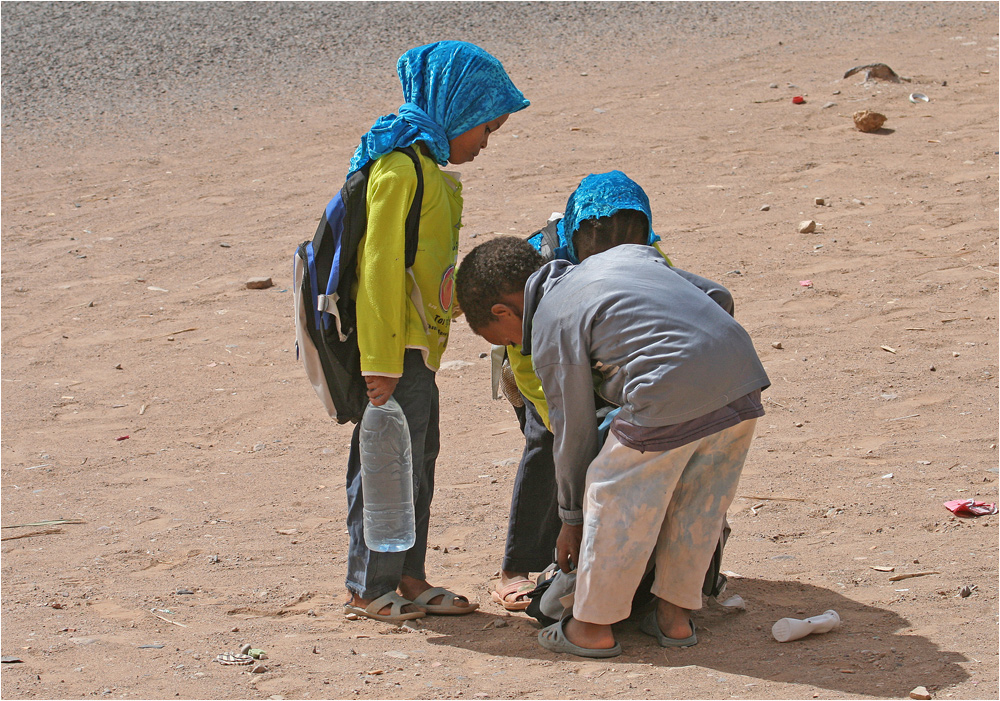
671 503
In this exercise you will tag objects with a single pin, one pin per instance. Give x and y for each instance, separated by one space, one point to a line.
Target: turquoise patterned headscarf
601 196
448 87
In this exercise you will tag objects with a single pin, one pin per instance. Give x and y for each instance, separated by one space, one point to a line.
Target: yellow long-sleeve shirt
399 309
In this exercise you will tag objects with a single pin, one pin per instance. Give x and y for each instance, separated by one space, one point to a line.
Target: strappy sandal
395 603
513 596
449 603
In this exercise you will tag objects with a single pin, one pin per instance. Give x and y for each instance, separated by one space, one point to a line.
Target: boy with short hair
688 382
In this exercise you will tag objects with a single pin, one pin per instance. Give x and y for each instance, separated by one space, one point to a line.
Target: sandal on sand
513 596
396 613
649 626
554 638
448 605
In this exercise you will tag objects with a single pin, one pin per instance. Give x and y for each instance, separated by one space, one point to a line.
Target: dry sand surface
156 157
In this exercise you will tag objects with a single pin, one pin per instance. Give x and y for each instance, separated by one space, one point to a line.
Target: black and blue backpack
324 270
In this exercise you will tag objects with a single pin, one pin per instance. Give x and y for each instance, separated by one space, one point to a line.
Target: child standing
455 96
688 382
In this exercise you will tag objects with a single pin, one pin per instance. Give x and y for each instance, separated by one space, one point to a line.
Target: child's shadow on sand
866 655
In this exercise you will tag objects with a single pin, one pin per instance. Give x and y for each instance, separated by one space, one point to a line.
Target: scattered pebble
868 121
920 693
819 202
258 669
807 227
765 208
777 345
259 283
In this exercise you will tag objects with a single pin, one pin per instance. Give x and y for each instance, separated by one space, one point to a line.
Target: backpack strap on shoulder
413 216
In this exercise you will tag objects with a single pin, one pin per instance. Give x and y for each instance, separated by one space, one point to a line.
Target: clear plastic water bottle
387 478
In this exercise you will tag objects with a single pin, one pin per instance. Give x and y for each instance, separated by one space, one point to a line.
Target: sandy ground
156 404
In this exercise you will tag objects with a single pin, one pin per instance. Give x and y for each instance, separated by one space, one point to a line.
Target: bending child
604 210
455 96
688 381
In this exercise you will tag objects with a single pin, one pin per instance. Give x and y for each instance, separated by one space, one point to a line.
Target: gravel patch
67 63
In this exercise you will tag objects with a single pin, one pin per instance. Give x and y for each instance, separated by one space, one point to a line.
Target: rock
765 208
777 345
259 283
868 121
819 201
828 105
877 71
807 227
260 669
920 693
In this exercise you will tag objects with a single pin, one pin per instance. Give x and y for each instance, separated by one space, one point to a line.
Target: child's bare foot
412 588
592 636
674 622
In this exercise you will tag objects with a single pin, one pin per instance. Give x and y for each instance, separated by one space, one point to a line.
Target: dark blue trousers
371 574
534 522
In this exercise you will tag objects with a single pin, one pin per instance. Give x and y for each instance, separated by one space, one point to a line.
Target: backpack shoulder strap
413 216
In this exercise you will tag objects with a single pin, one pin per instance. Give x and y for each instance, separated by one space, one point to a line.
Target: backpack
323 271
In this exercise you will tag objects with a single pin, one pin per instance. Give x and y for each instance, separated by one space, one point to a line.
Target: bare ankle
507 576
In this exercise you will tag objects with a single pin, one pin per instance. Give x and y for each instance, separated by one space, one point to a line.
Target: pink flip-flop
514 595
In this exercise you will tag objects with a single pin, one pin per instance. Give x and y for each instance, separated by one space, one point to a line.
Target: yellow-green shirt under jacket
399 309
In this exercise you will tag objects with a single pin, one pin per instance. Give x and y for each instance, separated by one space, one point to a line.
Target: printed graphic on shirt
447 288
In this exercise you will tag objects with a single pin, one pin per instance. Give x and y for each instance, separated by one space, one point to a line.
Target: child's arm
569 390
719 294
382 298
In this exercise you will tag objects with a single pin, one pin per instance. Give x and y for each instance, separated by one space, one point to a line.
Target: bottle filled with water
387 478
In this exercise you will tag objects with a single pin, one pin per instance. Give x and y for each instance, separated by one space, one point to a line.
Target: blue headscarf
448 87
600 196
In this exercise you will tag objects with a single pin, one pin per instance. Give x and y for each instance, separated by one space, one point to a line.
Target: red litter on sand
806 283
798 100
122 438
970 507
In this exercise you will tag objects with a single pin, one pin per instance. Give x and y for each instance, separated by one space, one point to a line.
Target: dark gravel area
67 63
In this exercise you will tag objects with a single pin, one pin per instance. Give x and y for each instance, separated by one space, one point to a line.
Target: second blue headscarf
448 88
599 196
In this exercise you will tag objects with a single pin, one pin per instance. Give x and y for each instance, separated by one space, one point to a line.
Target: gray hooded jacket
662 342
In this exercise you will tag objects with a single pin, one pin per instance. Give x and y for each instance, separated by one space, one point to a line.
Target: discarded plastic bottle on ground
788 629
387 478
